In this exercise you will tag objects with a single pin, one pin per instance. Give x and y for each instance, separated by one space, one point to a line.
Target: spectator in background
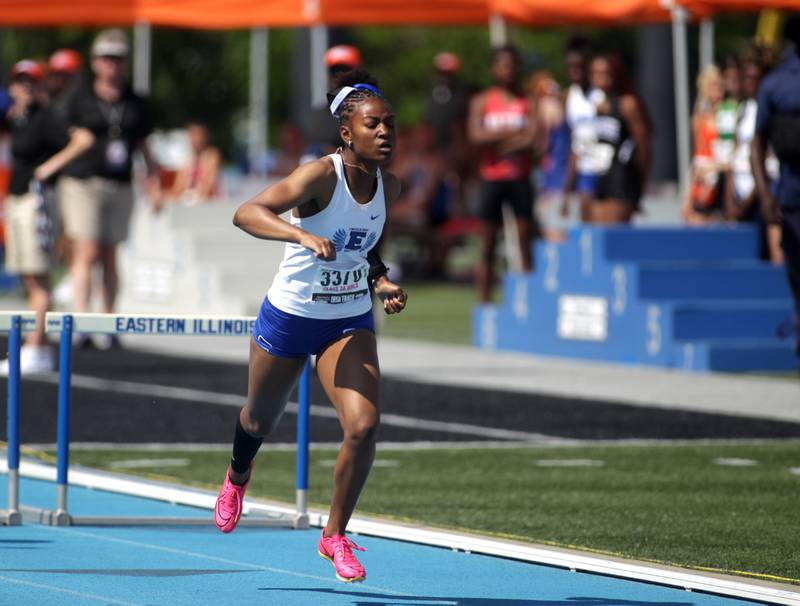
502 123
63 74
28 217
742 203
62 78
446 110
108 123
549 101
424 199
198 179
727 114
555 145
778 124
290 154
581 109
701 202
323 134
622 148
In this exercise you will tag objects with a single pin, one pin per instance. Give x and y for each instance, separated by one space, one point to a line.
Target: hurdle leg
13 517
61 516
303 396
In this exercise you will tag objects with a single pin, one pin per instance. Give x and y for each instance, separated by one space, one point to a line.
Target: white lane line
211 397
375 463
734 462
145 463
569 463
203 556
420 444
80 594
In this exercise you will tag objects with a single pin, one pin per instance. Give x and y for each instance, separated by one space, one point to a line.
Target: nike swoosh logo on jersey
373 218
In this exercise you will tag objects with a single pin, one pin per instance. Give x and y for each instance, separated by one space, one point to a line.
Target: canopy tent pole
681 77
259 96
706 42
319 74
498 30
142 44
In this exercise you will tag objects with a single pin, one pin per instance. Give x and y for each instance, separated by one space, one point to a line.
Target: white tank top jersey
313 288
581 111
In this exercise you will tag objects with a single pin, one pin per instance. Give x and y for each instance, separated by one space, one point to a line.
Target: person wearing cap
323 132
63 70
28 214
60 82
108 123
446 110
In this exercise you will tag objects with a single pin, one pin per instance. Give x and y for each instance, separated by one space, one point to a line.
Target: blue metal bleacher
691 298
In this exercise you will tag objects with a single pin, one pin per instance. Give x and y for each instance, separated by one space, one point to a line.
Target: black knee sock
245 448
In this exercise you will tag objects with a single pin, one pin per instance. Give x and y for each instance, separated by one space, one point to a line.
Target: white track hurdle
14 323
143 324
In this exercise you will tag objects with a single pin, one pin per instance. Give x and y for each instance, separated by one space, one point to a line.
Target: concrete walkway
775 398
464 366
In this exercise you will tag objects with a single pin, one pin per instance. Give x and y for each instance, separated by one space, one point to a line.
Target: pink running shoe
338 550
228 509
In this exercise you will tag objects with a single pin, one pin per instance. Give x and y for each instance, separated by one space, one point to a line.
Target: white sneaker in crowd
32 359
106 342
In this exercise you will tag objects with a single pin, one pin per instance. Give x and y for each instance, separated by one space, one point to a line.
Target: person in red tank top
502 124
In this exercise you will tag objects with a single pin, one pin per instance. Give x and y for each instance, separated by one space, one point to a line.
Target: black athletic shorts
518 193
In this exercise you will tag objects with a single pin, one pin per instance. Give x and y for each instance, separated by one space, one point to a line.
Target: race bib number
583 137
600 156
116 154
340 285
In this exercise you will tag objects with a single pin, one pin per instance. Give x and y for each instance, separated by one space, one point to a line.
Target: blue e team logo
356 239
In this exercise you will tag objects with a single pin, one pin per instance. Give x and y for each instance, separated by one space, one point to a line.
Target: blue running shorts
291 336
586 183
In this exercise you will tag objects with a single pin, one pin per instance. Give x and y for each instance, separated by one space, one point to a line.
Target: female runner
320 304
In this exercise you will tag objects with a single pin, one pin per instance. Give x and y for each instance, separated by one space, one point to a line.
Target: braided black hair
355 76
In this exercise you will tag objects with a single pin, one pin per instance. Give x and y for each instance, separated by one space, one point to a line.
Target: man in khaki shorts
108 123
28 244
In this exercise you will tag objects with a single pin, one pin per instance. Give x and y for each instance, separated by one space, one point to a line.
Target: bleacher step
740 355
757 281
675 243
726 320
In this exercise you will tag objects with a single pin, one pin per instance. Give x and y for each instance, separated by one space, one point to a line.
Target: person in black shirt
108 123
622 146
28 217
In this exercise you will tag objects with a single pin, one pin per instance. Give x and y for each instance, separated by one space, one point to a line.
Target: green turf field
673 504
441 313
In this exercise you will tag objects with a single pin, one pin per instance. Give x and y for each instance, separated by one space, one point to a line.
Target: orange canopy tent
25 13
256 15
580 12
230 14
737 6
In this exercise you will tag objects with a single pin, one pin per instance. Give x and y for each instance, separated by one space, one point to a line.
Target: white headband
340 97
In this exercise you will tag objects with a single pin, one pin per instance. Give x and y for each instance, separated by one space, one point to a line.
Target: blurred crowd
509 157
512 159
722 184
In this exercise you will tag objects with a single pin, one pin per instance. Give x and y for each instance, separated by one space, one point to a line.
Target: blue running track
63 566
